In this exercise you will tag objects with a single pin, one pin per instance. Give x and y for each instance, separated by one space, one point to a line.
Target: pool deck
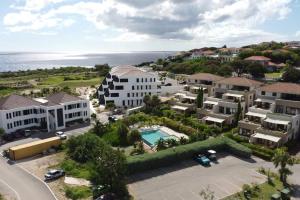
173 133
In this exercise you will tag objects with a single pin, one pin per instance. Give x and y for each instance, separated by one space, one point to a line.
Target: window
263 93
119 87
146 87
123 102
137 80
141 87
137 94
132 87
145 79
149 87
153 79
142 80
150 79
132 94
114 94
137 87
123 80
274 94
128 94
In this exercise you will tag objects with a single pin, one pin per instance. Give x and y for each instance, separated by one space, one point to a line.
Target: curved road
21 184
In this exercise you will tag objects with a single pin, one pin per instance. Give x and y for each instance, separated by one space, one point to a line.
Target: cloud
215 20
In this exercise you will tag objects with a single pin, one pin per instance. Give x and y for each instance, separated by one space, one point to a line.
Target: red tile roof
240 81
257 58
282 87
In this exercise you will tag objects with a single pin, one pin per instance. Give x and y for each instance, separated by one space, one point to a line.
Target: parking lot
187 179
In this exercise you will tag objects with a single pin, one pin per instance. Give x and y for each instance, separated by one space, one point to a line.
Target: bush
168 157
236 138
260 151
77 170
79 192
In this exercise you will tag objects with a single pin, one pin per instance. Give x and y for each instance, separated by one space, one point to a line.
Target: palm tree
282 158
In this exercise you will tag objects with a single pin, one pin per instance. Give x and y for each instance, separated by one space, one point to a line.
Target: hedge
260 151
140 163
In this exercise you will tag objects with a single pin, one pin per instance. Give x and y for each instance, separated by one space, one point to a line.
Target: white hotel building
53 113
126 86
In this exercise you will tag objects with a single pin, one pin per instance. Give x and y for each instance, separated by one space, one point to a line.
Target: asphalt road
22 185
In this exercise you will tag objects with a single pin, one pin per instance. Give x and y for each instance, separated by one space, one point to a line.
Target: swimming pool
151 137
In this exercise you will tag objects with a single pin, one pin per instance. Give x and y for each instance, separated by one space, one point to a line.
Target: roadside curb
38 179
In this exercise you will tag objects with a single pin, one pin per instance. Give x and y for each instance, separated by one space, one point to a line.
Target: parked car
27 133
211 154
54 174
203 160
61 135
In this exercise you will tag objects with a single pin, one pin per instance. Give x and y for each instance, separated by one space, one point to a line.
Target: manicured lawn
273 75
265 192
78 192
79 81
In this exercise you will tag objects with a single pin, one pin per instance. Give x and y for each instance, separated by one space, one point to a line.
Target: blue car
203 160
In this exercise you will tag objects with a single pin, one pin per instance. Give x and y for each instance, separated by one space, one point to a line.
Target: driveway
187 179
20 185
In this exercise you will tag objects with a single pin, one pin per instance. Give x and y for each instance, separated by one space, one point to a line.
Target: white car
61 135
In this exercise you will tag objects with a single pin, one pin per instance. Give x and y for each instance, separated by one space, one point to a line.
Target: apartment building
126 86
52 113
203 80
219 108
274 119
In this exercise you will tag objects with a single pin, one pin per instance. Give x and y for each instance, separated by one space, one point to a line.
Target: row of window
140 87
132 102
137 94
24 112
274 94
72 115
23 122
146 80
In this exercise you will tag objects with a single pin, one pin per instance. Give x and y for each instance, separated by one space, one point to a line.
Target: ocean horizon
16 61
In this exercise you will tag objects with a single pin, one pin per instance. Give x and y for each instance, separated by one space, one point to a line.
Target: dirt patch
40 165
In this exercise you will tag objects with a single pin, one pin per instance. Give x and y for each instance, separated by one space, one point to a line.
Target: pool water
151 137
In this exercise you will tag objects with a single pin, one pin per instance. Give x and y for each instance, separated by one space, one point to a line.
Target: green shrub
75 169
171 156
236 137
78 192
260 151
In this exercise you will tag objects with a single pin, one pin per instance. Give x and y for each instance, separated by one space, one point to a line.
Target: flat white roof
41 100
266 137
264 100
277 121
190 97
256 114
233 95
214 119
211 102
179 107
179 94
198 88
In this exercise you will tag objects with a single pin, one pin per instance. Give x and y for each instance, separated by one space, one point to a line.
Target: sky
143 25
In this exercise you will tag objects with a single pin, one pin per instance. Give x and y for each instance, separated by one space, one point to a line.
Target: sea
15 61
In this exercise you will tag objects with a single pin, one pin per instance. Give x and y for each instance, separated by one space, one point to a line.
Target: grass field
60 80
78 192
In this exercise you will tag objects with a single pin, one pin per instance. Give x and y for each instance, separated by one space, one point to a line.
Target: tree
110 171
110 106
85 147
238 114
2 132
200 98
282 158
160 144
102 70
134 136
256 70
122 131
99 128
291 75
